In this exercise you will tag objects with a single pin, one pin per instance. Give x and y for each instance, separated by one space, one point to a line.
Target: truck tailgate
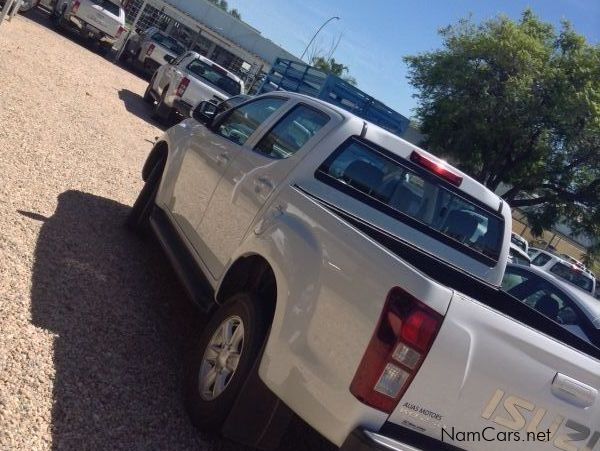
101 18
198 91
490 382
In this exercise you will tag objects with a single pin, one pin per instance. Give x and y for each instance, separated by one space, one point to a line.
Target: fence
7 11
154 16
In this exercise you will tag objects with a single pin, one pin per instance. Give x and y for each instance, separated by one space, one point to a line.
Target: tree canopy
518 104
331 66
225 7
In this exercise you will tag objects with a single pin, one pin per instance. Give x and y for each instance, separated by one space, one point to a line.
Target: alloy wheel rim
221 358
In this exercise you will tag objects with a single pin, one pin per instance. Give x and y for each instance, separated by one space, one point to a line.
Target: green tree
518 103
331 66
225 7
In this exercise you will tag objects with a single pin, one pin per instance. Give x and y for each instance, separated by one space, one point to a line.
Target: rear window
169 43
573 275
215 76
410 194
541 259
109 6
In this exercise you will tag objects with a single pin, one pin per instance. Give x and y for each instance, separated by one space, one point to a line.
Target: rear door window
398 187
573 275
243 121
290 134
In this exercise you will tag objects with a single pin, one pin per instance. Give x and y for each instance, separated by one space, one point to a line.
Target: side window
243 121
292 132
541 259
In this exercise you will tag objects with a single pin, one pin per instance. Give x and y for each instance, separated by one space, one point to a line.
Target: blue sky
377 33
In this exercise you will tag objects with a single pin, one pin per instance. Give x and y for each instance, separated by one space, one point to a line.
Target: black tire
162 112
58 18
148 98
138 219
209 415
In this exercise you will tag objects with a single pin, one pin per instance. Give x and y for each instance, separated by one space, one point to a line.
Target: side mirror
169 59
205 112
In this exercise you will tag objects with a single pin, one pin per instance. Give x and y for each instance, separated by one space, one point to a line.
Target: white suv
565 270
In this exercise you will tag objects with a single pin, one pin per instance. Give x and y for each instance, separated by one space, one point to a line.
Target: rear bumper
392 437
90 30
363 440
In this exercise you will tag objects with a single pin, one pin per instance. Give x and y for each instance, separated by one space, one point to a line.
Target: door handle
573 391
222 159
262 184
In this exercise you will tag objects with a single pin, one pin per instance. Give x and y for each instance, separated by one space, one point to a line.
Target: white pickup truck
100 20
184 82
152 48
354 280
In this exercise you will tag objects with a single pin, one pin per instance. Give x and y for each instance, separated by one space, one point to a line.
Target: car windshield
216 76
109 6
574 275
169 43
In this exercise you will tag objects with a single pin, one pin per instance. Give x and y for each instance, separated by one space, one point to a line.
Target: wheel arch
263 416
158 152
252 273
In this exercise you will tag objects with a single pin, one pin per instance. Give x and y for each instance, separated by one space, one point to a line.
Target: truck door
205 160
254 174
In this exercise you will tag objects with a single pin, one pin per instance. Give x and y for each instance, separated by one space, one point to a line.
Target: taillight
151 48
120 32
183 84
401 341
438 169
75 7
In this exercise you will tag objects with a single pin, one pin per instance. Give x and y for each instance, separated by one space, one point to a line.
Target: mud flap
258 417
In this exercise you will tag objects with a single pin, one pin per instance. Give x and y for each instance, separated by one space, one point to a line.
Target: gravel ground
93 323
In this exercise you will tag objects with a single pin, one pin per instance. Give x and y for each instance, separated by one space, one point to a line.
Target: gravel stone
93 323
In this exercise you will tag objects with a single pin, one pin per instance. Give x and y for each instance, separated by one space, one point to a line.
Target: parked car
517 255
576 311
177 87
566 270
99 20
152 48
352 282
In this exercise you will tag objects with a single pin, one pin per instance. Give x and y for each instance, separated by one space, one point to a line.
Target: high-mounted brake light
151 48
76 5
183 84
401 341
438 169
